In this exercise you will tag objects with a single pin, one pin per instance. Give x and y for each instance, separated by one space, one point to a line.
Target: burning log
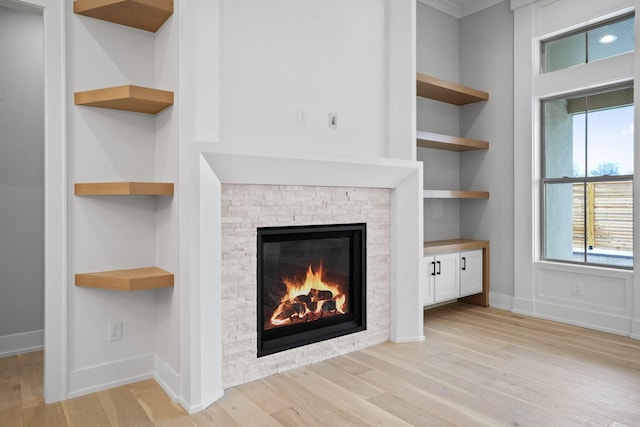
329 306
287 311
299 309
320 295
303 298
334 305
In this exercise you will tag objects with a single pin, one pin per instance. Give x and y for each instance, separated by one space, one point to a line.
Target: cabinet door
426 279
470 272
447 277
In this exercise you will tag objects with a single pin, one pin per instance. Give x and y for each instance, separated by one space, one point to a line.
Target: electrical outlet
115 331
576 288
333 120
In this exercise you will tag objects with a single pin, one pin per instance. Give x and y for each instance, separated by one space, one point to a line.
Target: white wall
486 63
437 46
107 233
21 181
437 54
167 249
322 56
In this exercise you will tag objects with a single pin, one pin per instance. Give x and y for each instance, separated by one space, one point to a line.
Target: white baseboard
25 342
407 339
576 316
168 379
109 375
523 306
206 402
635 329
500 301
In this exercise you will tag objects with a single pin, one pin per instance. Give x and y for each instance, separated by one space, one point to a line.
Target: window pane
564 139
612 39
565 52
610 134
609 223
605 231
564 222
592 44
600 125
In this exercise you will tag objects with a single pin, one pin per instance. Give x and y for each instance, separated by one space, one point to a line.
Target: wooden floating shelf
135 279
148 15
455 194
452 93
435 247
124 189
449 143
127 98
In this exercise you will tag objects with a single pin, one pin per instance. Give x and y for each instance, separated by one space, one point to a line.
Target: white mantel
251 165
222 163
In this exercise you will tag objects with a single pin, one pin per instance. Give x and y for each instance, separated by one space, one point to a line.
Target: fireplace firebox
311 284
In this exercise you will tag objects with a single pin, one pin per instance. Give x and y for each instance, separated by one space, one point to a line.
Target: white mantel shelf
250 165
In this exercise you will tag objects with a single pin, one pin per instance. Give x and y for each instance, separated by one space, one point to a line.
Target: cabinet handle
464 263
433 264
438 262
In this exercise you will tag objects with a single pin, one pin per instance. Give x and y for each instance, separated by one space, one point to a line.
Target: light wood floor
478 367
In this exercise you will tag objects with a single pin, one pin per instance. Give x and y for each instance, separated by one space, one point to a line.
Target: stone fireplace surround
247 207
223 169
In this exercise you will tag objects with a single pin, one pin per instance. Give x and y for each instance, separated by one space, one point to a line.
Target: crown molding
519 3
444 6
460 11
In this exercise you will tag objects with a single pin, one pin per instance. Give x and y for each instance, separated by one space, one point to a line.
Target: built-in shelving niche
456 94
451 93
148 15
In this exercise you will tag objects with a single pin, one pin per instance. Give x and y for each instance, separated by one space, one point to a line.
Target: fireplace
311 284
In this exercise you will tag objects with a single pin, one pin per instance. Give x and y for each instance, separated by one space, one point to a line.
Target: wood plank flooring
477 367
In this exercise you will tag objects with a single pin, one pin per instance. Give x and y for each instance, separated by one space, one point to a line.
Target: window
588 45
587 178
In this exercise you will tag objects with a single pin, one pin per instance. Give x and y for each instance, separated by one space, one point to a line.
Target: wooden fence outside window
609 219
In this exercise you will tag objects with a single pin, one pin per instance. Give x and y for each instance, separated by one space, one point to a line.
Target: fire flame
309 299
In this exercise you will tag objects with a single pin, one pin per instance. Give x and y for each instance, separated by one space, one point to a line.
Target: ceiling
460 8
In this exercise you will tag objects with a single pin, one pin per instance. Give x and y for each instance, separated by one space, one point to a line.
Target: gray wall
21 172
437 54
486 62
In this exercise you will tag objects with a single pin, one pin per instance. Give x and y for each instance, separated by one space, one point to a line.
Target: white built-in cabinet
444 276
452 275
470 272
